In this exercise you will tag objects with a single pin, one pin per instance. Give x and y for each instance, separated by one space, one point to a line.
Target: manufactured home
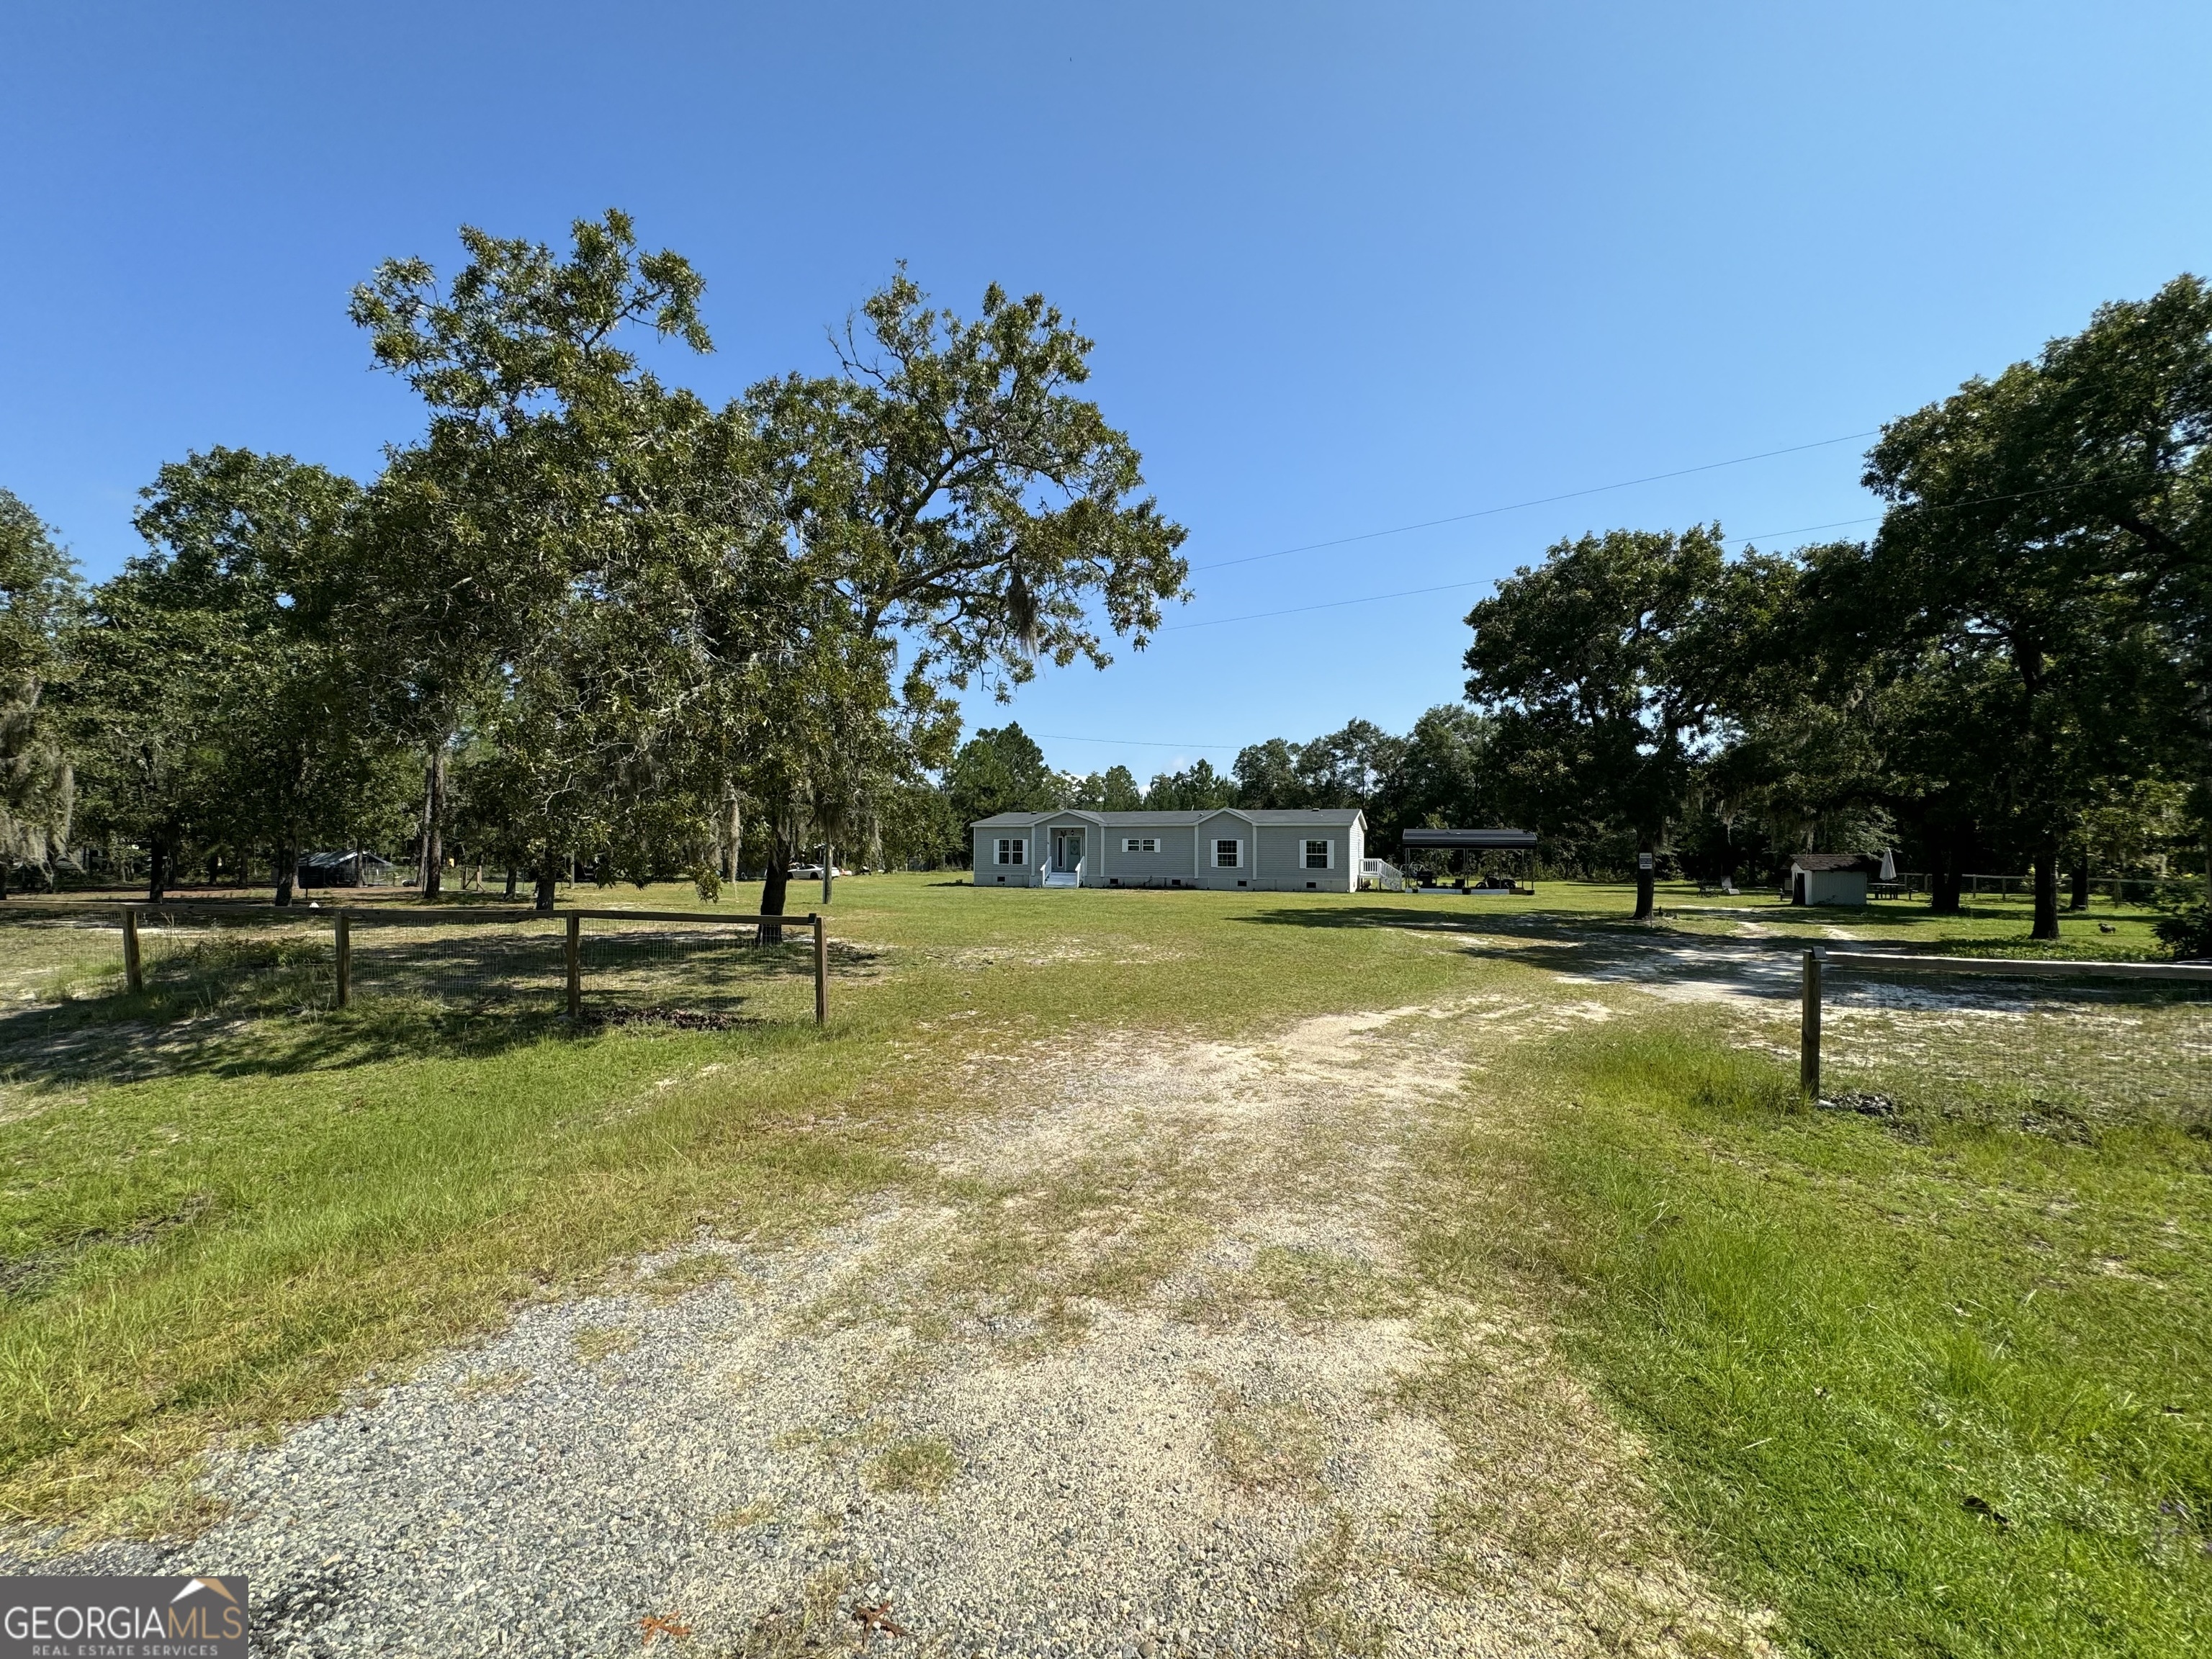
1263 849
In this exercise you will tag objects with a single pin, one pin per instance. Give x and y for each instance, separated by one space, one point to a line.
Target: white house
1829 878
1259 848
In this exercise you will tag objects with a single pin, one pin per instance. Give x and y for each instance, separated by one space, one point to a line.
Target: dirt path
1143 1368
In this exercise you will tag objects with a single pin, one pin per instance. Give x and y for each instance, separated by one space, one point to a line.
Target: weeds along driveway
1147 1364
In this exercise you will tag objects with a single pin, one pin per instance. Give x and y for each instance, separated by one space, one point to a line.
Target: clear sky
1349 267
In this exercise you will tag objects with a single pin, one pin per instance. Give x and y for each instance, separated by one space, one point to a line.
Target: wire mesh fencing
483 961
2053 1045
203 957
609 965
691 972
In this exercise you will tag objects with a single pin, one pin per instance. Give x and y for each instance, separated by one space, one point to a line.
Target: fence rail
2096 1034
344 920
2002 887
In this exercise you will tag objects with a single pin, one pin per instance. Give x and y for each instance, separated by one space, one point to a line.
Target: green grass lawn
221 1202
1929 1385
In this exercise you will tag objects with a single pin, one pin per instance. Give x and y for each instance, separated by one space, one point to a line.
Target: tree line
2011 673
583 621
586 623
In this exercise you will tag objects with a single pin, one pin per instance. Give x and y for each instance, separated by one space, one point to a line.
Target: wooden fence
1818 962
344 920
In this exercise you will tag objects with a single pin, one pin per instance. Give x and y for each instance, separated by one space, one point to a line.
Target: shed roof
1813 863
1318 817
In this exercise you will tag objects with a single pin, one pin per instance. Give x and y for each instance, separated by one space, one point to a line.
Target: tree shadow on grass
240 1007
1783 925
1596 948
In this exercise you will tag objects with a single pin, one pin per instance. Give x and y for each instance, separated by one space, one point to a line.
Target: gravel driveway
1134 1374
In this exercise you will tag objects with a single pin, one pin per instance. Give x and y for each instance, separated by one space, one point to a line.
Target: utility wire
1326 605
1733 541
1448 588
1139 743
1540 501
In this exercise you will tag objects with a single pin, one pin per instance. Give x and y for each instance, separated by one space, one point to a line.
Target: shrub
2188 932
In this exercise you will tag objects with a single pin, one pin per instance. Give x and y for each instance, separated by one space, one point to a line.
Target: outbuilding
354 869
1830 878
1261 849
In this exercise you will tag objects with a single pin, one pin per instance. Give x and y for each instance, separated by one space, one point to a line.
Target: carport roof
1503 839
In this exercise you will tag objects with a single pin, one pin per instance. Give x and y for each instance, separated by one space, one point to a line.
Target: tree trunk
288 874
2046 893
773 888
157 870
2079 898
510 881
4 877
548 874
737 833
431 869
1946 880
1646 876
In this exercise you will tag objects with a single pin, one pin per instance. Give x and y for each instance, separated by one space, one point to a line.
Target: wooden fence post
575 966
345 960
134 974
821 971
1808 1030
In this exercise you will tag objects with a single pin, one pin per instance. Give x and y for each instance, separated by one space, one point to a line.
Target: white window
1014 851
1141 844
1320 855
1228 854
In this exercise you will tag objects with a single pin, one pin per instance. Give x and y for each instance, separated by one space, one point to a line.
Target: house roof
1317 816
1813 863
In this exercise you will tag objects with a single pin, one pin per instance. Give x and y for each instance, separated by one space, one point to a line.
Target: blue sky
1349 267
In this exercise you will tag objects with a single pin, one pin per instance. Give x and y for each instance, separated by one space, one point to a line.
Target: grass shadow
237 1004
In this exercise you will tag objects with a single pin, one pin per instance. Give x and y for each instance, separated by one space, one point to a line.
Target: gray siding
1171 863
989 873
1273 860
1221 827
1282 857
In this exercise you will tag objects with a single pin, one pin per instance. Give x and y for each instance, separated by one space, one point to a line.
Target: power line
1140 742
1453 588
1733 541
1327 605
1540 501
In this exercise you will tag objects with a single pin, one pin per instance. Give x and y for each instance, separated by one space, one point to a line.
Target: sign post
1808 1030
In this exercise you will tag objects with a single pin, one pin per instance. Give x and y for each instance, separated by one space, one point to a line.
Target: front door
1066 852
